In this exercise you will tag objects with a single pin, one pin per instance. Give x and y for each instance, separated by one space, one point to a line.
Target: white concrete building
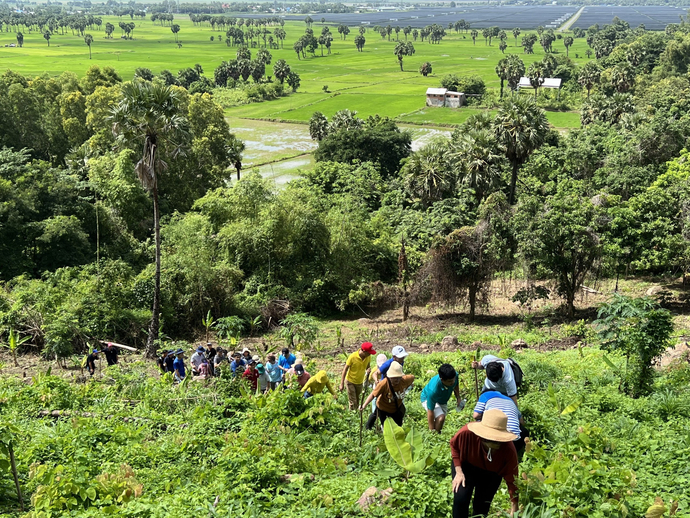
441 97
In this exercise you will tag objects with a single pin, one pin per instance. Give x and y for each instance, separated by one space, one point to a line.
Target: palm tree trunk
155 312
513 182
473 301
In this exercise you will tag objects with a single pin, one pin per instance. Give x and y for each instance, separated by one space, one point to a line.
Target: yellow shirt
358 368
317 382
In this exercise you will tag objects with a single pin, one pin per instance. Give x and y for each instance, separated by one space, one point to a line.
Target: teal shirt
436 392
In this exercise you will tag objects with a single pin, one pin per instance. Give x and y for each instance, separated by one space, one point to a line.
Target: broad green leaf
655 511
572 407
418 466
91 493
415 441
399 449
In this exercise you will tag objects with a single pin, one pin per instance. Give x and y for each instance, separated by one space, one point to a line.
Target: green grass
369 82
564 119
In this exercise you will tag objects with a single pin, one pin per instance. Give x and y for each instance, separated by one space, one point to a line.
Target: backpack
517 372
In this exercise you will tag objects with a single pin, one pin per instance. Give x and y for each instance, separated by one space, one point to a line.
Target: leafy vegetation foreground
134 445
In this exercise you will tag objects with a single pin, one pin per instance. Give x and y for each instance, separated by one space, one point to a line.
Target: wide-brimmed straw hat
395 370
492 427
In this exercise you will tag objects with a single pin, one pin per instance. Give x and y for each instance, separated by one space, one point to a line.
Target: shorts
439 410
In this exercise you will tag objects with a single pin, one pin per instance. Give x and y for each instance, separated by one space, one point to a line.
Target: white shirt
197 359
506 385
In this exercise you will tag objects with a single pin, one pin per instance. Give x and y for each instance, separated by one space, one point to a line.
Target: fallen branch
120 346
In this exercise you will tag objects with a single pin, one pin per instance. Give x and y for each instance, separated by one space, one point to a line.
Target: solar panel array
506 17
655 17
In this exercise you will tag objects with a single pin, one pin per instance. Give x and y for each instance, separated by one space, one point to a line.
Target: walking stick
476 378
361 412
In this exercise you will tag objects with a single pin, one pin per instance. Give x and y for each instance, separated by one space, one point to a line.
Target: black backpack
517 372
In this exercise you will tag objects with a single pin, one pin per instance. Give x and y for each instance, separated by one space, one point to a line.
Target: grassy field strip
568 24
368 82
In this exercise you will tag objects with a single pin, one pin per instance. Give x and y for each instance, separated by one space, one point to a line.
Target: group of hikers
109 351
263 376
483 451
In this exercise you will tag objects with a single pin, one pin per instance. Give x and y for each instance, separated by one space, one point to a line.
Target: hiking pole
476 378
361 412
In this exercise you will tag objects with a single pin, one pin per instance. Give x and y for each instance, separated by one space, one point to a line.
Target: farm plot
654 17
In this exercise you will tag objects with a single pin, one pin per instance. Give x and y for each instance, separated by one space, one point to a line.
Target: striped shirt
495 400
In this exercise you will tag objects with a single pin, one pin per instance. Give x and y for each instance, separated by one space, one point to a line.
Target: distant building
442 97
549 82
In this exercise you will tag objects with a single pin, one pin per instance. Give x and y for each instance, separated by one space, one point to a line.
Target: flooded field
280 150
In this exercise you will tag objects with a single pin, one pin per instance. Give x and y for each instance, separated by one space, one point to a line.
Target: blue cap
95 351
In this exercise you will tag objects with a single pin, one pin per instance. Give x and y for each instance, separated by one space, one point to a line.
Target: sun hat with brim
260 367
492 427
200 349
395 370
256 358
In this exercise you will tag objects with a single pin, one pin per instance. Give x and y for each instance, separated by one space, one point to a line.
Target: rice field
368 82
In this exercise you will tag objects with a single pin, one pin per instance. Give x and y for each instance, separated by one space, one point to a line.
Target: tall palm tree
478 156
536 74
516 33
623 77
402 49
521 127
88 39
149 117
589 76
568 41
515 71
428 173
46 35
318 126
20 39
502 70
281 70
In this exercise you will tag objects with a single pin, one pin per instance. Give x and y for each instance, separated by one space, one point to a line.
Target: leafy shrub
639 328
299 327
538 374
668 404
231 326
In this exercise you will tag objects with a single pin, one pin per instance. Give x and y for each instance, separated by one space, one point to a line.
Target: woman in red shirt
483 453
252 375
